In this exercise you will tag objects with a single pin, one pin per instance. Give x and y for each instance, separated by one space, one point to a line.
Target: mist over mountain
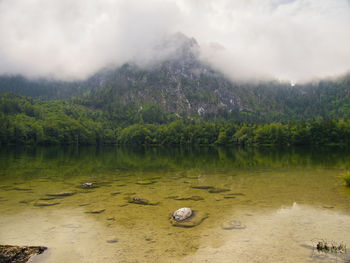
210 59
292 40
181 82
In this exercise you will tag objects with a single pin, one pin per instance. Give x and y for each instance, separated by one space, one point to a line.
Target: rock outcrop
18 254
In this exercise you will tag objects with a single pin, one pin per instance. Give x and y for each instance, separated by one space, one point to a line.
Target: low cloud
292 40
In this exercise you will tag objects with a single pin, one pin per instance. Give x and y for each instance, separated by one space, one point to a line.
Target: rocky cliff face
181 83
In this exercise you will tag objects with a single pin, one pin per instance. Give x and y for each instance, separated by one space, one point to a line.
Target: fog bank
285 39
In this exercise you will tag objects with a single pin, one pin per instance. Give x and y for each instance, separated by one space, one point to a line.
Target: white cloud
296 40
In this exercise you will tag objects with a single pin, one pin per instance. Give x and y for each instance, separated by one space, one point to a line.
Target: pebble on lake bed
96 211
182 214
112 240
140 201
218 190
203 187
45 204
63 194
188 219
192 198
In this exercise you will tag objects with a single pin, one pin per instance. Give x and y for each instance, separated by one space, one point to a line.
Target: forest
24 120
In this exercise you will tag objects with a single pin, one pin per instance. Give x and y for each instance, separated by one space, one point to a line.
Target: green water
284 200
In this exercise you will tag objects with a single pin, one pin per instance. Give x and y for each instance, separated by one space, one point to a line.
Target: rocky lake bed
97 214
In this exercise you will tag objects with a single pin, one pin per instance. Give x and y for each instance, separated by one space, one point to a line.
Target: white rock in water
88 185
182 214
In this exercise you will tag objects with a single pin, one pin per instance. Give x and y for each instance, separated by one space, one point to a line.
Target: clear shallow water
284 199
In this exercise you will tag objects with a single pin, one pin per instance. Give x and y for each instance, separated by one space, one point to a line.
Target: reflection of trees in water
68 161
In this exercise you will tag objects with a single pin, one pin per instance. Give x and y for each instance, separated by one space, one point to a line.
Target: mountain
176 98
184 84
178 82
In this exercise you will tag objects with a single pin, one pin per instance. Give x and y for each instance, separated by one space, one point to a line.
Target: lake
259 205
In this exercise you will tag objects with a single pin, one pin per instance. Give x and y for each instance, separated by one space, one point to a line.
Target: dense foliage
32 121
27 121
177 132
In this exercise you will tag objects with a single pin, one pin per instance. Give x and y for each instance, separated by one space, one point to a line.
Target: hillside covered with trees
181 100
32 121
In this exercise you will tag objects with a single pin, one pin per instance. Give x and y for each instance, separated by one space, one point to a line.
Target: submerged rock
96 211
205 187
192 198
141 201
63 194
331 247
45 204
172 197
328 207
88 185
111 241
182 214
218 190
233 224
196 218
17 254
236 194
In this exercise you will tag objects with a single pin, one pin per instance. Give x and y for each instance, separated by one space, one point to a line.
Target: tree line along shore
24 120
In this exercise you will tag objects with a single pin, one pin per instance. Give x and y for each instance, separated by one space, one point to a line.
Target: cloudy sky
295 40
